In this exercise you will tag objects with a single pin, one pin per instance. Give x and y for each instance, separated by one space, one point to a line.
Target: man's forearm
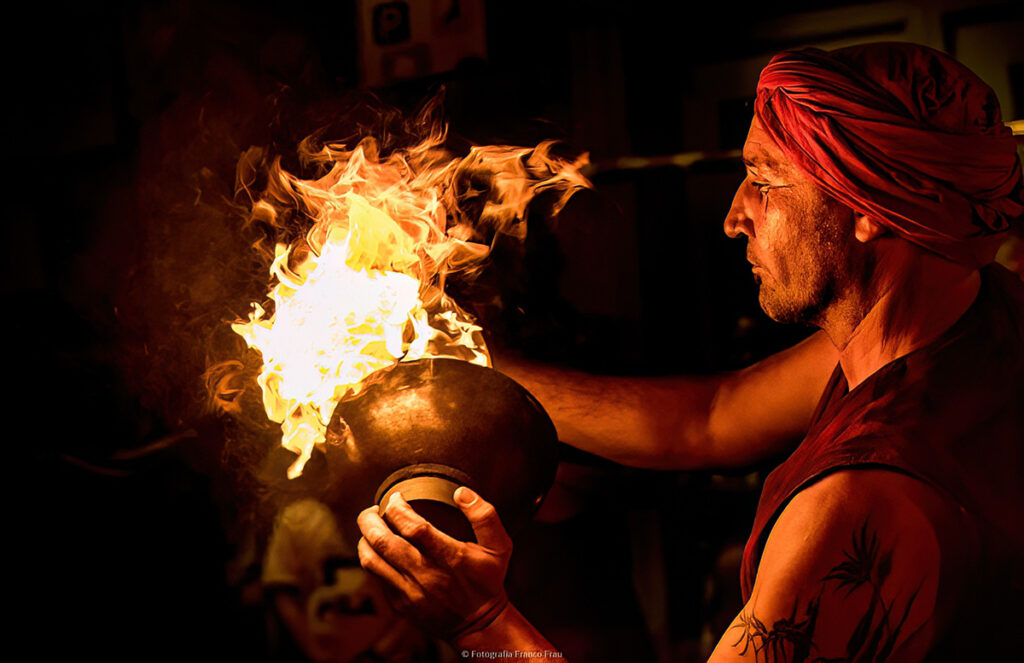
635 421
727 420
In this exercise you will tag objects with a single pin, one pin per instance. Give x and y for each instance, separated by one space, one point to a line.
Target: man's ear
866 229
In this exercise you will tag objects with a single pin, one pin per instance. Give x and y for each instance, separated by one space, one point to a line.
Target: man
880 181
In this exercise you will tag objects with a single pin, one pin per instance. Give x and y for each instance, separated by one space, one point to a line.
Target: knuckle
456 558
364 551
370 563
485 511
415 596
368 522
377 539
368 559
416 530
498 540
361 520
399 518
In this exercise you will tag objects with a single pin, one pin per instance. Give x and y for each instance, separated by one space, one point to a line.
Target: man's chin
768 303
780 311
776 316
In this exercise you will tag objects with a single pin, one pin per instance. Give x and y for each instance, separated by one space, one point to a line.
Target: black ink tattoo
772 643
791 639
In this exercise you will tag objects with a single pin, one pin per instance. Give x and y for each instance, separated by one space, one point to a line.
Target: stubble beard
802 304
813 278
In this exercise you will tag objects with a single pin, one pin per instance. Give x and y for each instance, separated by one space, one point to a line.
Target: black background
125 257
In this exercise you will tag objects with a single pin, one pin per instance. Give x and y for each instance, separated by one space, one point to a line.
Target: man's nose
738 221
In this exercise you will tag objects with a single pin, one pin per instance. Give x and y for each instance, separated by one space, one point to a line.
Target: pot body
452 422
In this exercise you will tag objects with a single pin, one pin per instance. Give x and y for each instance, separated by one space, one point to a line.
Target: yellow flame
365 287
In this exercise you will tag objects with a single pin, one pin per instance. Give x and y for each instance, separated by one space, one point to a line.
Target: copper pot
426 427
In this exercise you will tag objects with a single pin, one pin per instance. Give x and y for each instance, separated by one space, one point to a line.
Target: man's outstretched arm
850 572
728 420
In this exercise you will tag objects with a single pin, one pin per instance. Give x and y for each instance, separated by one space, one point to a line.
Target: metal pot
426 427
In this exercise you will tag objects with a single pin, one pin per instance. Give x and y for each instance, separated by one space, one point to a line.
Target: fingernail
392 500
464 496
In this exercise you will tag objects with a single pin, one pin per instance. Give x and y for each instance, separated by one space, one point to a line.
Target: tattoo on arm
791 638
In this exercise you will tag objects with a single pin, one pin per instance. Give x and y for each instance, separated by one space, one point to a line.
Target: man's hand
449 587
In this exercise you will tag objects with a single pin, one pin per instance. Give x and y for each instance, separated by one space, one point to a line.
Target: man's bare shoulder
850 571
882 494
890 500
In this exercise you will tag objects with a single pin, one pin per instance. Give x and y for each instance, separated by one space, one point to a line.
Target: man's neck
909 309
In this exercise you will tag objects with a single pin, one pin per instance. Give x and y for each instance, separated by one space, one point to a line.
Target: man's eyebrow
758 162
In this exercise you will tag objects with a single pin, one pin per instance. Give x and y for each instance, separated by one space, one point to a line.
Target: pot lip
374 382
425 366
415 470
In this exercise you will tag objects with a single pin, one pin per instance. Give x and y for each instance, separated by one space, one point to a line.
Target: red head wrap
904 134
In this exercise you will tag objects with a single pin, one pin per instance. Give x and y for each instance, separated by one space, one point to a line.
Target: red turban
901 133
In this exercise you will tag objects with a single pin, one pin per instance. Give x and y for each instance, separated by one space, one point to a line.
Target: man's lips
754 264
757 271
755 267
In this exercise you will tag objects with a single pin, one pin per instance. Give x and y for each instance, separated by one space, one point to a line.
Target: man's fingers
490 533
379 567
395 550
436 544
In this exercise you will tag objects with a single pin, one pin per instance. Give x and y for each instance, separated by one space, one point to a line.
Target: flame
364 288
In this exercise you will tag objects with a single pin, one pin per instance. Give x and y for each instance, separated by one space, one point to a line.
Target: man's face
799 239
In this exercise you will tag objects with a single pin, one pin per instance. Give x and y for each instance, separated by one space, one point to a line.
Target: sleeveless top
950 414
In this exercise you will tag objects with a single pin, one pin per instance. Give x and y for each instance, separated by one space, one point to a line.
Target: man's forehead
761 153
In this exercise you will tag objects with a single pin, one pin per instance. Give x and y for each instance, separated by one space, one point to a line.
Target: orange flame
365 287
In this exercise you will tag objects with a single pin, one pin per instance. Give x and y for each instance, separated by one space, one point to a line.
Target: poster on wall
401 40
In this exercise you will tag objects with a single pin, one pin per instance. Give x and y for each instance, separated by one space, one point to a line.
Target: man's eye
762 187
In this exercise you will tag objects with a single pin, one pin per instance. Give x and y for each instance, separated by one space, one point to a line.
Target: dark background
126 255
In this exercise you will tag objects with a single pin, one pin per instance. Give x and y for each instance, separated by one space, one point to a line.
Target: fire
364 288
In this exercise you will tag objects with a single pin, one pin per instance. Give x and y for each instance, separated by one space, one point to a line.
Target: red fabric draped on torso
950 414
